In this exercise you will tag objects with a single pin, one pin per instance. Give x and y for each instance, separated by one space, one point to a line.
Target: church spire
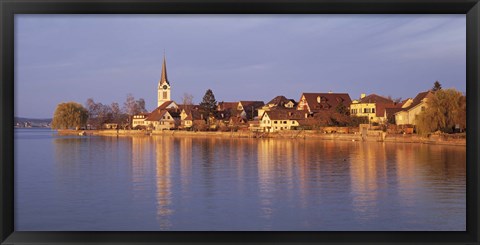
163 78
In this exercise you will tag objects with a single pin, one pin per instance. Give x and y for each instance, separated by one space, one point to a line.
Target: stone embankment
378 136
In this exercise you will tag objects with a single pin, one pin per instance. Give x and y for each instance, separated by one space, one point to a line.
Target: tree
342 109
208 105
187 101
445 110
132 107
69 115
98 113
437 86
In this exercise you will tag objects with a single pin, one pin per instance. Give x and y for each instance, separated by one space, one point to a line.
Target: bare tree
132 106
187 101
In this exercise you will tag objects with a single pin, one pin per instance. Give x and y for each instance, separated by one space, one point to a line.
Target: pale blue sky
61 58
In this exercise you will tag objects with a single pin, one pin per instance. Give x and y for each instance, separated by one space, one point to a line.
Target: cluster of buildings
280 113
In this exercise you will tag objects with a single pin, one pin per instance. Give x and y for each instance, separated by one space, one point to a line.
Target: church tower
163 85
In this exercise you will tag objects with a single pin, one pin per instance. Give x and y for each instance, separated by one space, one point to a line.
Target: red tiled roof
222 106
374 98
164 105
156 114
418 99
250 104
328 101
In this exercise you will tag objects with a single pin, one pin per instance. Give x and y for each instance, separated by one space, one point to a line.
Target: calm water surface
69 183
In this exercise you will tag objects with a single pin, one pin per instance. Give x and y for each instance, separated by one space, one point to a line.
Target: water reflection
171 183
368 177
164 159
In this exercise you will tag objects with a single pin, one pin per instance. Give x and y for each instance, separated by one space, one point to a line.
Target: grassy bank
377 136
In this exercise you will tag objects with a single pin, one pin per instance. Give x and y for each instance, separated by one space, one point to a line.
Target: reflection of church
167 113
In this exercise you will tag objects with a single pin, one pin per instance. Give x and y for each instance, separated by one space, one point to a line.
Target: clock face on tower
165 87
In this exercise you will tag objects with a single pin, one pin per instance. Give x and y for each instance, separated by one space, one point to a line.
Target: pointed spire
163 78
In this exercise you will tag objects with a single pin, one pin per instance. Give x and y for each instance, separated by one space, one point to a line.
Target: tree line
94 114
445 112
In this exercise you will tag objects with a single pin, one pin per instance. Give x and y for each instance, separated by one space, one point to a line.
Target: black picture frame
9 8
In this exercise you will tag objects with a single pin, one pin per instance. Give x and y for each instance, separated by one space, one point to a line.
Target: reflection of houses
277 102
373 107
282 119
163 180
409 112
320 102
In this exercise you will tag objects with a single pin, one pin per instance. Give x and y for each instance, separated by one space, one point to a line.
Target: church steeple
163 85
163 77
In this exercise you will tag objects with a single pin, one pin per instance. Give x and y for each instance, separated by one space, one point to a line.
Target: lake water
70 183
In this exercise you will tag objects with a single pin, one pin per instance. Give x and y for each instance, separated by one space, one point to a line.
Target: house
248 109
318 102
277 102
138 121
407 115
191 117
390 112
161 119
110 126
282 119
373 107
226 109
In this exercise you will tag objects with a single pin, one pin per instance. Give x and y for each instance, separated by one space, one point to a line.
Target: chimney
330 92
362 96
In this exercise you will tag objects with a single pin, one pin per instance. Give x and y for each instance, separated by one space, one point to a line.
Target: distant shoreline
374 136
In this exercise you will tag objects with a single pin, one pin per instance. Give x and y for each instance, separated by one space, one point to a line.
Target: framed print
252 122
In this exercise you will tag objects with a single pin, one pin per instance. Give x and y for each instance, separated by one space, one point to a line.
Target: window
284 122
373 110
164 94
423 108
364 110
275 122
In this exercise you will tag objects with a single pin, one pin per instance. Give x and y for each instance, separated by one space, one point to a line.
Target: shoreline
372 136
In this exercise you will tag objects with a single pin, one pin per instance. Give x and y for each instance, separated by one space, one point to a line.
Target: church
167 113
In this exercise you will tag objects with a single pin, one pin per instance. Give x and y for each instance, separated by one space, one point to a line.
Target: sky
62 58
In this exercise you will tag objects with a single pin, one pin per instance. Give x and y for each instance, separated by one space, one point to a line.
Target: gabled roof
192 114
418 99
160 111
156 114
167 104
174 112
223 106
187 107
374 98
392 110
328 101
249 104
